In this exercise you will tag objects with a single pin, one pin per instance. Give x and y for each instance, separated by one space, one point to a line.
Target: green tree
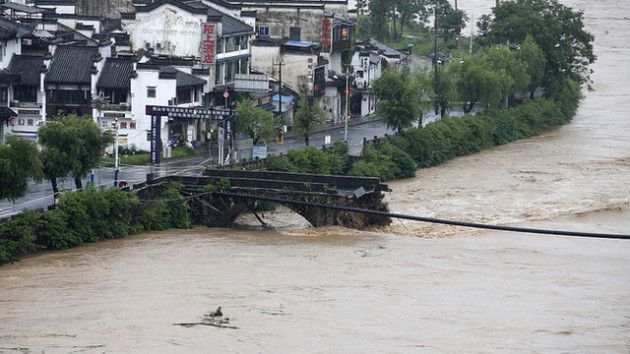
557 30
72 145
476 82
531 54
406 11
19 161
307 117
255 122
451 22
379 12
503 60
399 100
446 88
483 25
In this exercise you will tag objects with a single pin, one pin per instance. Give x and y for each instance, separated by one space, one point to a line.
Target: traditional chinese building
308 41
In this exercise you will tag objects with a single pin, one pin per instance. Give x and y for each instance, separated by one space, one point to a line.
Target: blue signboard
156 140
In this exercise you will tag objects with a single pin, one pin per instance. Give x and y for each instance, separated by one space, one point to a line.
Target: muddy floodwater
408 288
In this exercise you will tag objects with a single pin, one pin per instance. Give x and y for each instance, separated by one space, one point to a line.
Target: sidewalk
352 121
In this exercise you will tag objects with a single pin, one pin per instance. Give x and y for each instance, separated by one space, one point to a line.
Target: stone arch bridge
215 210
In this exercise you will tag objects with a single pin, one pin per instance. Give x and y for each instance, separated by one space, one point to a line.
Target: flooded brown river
408 288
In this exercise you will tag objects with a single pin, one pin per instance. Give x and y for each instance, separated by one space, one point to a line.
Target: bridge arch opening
278 217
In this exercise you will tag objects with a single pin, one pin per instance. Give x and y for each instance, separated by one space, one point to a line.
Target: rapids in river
408 288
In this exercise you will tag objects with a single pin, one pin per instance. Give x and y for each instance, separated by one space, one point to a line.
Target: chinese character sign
326 34
208 43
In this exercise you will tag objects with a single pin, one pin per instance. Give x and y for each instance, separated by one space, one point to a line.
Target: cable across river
432 220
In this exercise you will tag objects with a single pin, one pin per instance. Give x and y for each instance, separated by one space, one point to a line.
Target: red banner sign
326 34
208 43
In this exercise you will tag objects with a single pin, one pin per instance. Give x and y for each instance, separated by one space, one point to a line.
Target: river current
408 288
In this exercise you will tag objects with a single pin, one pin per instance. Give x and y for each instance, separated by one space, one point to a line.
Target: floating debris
212 318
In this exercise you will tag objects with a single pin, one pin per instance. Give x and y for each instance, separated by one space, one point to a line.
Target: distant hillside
108 9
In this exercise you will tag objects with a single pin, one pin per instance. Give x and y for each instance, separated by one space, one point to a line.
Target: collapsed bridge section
208 207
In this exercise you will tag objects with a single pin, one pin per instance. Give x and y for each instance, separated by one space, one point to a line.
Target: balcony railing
121 107
19 104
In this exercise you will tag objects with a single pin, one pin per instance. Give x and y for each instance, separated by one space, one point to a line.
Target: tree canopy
556 29
399 99
72 145
19 161
530 54
307 116
255 122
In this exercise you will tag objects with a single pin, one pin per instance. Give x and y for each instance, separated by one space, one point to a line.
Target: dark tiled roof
72 65
382 48
231 25
187 80
28 67
6 113
116 74
192 7
22 8
8 76
11 29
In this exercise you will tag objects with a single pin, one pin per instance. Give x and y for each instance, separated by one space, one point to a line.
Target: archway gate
157 112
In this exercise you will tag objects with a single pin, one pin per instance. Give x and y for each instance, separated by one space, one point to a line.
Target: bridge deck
343 184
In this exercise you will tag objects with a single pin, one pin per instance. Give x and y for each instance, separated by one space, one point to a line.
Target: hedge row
86 216
449 137
387 162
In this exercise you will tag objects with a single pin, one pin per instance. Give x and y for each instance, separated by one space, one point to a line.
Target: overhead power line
433 220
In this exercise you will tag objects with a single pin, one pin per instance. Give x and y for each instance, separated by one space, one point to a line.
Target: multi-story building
309 41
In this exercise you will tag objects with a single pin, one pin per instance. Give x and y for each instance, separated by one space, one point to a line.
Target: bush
177 207
388 163
54 233
374 164
310 160
279 163
154 216
456 136
17 236
405 165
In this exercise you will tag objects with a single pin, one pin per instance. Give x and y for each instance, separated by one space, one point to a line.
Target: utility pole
435 57
472 24
116 153
345 129
280 138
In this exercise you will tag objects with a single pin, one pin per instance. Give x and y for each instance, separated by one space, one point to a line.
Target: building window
4 95
294 34
244 42
263 31
244 68
218 76
25 93
231 44
230 69
151 91
183 95
220 44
